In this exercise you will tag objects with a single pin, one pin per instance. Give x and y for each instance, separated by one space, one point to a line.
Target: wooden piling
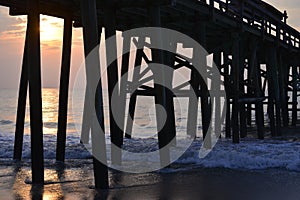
249 89
256 76
227 89
19 133
35 93
197 82
91 41
160 91
271 100
193 105
205 99
236 82
124 81
294 95
217 99
283 73
112 79
169 60
242 106
64 90
272 68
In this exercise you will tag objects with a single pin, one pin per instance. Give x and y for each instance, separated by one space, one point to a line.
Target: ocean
249 154
253 169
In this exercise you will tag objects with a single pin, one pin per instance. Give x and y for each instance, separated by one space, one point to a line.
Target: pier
255 50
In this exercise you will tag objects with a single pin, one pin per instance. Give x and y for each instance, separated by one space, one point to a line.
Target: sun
51 29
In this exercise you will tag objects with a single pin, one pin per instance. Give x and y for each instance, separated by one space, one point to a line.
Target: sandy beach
76 182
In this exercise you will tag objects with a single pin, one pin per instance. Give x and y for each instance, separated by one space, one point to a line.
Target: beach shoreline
76 182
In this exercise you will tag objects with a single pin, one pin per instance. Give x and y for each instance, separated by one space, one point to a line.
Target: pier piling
35 93
19 133
64 90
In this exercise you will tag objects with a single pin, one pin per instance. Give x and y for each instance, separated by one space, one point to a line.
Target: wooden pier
256 51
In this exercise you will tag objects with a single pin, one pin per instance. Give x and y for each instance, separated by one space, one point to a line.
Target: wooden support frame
135 78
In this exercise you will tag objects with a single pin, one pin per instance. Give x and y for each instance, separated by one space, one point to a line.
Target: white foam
249 154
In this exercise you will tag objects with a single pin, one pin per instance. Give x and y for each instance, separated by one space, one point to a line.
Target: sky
12 34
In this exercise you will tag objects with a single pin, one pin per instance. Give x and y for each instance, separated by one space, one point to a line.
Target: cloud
11 26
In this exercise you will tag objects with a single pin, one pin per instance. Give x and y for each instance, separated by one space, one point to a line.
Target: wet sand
75 181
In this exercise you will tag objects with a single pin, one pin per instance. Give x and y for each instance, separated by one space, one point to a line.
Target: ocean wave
250 154
50 124
6 122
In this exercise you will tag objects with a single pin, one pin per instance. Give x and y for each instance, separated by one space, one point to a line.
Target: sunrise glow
51 29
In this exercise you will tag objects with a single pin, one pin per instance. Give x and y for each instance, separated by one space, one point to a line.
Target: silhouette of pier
256 51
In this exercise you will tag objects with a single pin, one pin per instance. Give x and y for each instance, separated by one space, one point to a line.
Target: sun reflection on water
52 190
50 107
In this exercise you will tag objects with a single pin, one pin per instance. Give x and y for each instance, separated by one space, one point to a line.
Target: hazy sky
12 31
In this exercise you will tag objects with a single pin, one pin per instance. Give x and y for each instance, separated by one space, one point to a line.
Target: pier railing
256 13
264 17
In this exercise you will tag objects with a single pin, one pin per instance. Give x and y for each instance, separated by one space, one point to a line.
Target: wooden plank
54 8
